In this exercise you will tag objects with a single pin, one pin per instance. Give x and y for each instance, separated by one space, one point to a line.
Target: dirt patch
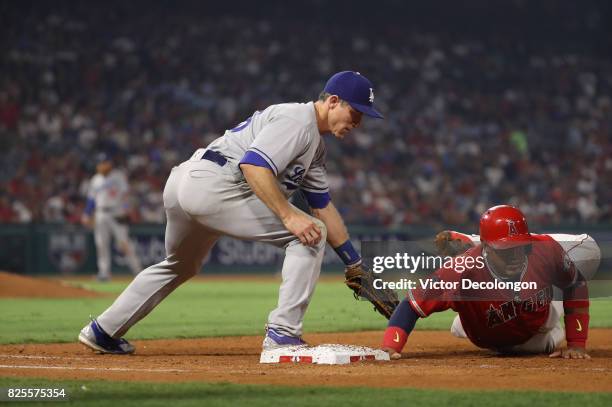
17 286
435 359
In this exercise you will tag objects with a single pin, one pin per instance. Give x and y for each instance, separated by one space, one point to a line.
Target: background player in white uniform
238 186
106 212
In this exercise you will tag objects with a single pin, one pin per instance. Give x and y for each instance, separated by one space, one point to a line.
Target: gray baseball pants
107 227
203 201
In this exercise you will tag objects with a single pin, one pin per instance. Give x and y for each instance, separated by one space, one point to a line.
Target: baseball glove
361 281
447 245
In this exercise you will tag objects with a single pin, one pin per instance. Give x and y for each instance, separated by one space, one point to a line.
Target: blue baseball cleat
275 340
96 339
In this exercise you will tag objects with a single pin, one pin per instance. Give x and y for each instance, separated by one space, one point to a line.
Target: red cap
503 227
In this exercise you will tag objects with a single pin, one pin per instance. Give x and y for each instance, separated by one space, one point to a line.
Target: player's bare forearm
336 230
265 186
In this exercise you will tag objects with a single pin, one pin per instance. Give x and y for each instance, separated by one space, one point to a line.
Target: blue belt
215 157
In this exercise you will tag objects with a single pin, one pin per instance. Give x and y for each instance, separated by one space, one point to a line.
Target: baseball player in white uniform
105 211
238 186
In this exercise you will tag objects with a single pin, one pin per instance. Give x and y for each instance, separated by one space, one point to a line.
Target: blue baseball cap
356 90
103 157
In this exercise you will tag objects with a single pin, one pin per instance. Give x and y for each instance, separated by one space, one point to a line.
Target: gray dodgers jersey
287 138
109 192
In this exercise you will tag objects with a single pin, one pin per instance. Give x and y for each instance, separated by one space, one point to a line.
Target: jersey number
243 124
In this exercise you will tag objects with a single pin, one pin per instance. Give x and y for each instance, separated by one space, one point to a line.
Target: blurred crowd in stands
471 120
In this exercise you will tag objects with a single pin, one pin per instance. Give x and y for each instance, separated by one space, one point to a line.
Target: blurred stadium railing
69 250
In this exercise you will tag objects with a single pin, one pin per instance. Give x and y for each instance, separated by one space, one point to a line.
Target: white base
327 354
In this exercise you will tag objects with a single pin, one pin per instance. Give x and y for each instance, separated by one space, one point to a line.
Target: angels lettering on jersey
498 314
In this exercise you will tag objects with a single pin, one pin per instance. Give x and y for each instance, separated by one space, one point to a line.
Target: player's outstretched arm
576 329
576 308
400 325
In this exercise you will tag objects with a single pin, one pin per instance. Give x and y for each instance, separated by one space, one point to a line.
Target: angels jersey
500 318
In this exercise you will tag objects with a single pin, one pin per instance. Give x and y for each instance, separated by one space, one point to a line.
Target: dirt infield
435 360
17 286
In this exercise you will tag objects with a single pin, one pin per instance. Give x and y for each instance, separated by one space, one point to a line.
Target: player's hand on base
302 226
393 355
571 353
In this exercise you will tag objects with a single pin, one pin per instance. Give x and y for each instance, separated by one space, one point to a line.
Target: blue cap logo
355 89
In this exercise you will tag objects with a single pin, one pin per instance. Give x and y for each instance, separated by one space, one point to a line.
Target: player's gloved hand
448 245
302 226
393 354
571 353
361 280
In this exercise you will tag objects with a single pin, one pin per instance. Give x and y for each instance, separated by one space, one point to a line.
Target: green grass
211 308
101 393
214 308
196 309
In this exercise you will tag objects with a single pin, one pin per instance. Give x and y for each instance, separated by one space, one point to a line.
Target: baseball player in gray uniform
238 186
105 211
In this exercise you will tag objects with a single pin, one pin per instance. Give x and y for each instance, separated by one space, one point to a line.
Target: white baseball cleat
96 339
275 340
